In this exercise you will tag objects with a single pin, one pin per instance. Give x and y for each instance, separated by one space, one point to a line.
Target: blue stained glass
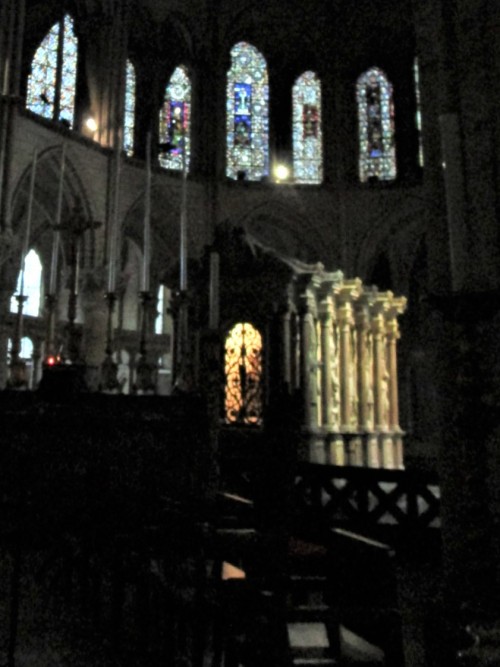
175 121
307 130
129 111
42 95
377 153
247 134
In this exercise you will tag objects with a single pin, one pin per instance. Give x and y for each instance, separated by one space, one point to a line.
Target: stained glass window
243 369
377 153
31 287
129 114
307 139
51 84
247 121
418 114
175 121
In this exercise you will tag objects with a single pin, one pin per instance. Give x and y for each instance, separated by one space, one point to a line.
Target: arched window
247 132
31 287
243 370
418 114
175 121
307 139
377 153
51 84
129 112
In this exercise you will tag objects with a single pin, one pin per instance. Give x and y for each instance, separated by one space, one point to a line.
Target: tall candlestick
29 216
213 296
147 220
183 222
113 230
57 232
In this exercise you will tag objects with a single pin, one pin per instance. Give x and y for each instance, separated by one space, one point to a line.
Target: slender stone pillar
286 346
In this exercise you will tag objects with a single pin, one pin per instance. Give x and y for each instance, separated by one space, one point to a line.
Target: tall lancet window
243 370
129 111
175 121
377 152
51 84
32 286
307 139
418 113
247 128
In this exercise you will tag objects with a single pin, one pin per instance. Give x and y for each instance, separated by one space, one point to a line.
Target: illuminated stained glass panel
129 112
418 114
377 153
247 128
175 120
307 136
58 53
243 370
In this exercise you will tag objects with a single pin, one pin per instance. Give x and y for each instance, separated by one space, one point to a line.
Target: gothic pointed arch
175 121
377 150
129 108
247 114
307 129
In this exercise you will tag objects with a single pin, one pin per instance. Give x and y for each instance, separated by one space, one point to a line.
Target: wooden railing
365 498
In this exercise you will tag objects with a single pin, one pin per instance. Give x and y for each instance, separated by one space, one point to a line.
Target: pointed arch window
30 285
377 153
175 121
247 114
51 84
307 135
418 113
129 111
243 370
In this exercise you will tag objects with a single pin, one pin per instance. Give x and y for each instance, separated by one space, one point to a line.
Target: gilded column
347 293
308 374
364 378
325 312
380 398
396 307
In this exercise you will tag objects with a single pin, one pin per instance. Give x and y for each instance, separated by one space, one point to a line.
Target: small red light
51 361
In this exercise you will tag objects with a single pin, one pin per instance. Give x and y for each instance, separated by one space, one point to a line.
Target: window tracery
51 84
129 111
243 370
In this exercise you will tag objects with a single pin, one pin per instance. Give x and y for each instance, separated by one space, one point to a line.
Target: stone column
94 330
396 307
286 346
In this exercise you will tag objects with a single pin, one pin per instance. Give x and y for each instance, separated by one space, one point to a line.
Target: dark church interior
249 333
